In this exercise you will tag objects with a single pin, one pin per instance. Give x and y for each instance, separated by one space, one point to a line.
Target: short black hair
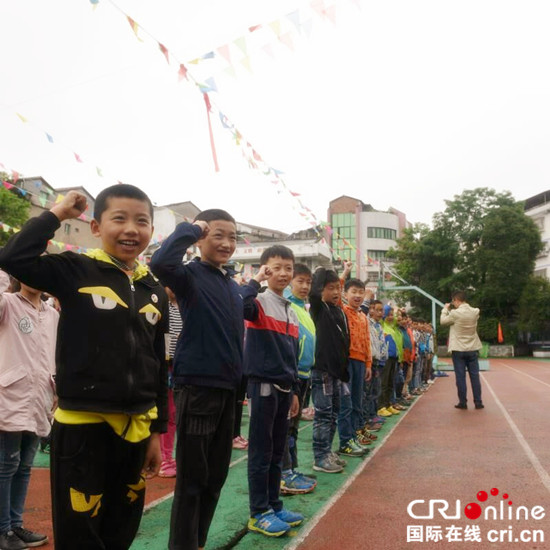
276 250
214 214
119 190
331 277
354 283
301 269
459 295
374 303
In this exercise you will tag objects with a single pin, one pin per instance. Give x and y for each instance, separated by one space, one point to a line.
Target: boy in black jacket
207 366
111 375
330 369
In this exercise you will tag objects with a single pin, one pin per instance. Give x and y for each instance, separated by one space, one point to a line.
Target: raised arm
167 261
22 256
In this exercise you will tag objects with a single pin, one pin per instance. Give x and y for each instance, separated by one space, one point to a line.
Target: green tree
482 243
463 221
504 260
14 210
534 307
425 258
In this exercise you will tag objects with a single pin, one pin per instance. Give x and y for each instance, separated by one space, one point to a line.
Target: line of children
112 370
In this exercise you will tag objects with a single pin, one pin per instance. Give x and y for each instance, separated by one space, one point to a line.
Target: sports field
431 452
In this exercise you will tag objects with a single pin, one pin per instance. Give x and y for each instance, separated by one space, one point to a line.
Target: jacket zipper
132 339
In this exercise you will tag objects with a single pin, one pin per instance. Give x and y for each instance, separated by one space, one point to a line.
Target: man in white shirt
464 344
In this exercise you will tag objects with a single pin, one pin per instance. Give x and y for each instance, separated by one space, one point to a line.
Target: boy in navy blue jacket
271 366
207 366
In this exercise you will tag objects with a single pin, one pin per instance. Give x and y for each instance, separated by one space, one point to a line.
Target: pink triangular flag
224 52
286 39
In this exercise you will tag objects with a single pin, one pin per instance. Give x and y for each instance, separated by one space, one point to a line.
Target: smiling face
301 285
125 228
281 273
355 296
219 244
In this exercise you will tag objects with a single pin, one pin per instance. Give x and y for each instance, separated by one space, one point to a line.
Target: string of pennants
301 21
55 198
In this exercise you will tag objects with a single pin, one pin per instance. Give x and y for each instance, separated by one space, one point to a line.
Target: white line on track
169 495
543 474
523 373
310 525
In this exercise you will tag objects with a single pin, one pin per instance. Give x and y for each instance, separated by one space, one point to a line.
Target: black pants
98 492
290 456
266 444
388 374
204 418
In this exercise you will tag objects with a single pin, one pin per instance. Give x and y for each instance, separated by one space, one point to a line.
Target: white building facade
538 208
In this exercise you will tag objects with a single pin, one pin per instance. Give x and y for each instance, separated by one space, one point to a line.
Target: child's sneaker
292 518
328 466
351 448
362 439
310 479
293 483
268 524
383 412
334 457
29 538
168 468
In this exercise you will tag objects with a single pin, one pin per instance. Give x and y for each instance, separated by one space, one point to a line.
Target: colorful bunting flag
224 52
182 73
164 51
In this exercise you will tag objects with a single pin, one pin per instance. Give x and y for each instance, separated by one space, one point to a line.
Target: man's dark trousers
462 361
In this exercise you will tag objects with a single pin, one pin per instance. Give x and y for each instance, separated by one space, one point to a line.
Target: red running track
438 452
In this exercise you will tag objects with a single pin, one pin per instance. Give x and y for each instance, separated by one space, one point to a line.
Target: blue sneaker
293 483
268 524
291 518
308 479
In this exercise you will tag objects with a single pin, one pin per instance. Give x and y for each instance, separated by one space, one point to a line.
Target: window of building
381 233
343 237
540 273
376 254
372 276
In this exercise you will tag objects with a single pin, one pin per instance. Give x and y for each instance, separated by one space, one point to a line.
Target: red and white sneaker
168 468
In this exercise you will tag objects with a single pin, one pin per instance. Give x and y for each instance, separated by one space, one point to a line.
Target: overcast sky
402 103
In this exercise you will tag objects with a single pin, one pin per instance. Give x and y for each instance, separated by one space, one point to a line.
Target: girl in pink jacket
28 329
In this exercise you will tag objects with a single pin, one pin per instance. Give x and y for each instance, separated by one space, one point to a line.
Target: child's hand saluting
72 206
263 275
